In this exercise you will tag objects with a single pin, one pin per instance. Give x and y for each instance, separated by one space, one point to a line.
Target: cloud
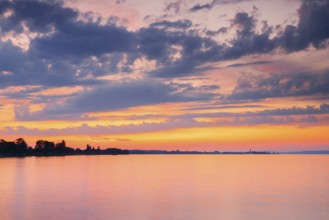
210 5
309 110
175 6
77 48
81 40
225 2
177 53
293 111
246 23
311 30
24 93
66 50
247 41
312 27
281 85
199 7
310 115
249 64
118 95
221 30
62 50
130 94
120 2
85 129
33 70
38 16
183 24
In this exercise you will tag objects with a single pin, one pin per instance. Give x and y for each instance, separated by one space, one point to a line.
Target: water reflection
165 187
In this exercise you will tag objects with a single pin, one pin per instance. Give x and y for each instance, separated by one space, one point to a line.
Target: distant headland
19 148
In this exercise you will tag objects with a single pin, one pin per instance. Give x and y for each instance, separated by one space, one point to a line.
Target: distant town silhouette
19 148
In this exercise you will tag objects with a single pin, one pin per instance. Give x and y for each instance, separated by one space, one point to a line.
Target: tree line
19 147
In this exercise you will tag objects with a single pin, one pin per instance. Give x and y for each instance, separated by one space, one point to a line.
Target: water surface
165 187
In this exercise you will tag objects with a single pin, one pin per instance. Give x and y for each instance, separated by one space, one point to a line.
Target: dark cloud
161 45
120 1
293 111
32 70
249 64
246 24
106 130
38 16
154 43
150 127
67 36
66 50
34 95
118 95
309 110
9 57
85 39
221 30
247 41
225 2
210 5
199 7
311 30
70 44
307 115
242 46
130 94
172 24
175 6
281 85
312 27
221 106
25 93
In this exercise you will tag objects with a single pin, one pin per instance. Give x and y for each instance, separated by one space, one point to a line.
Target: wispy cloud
281 85
213 3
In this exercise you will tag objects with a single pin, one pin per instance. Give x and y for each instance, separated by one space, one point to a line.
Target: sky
225 75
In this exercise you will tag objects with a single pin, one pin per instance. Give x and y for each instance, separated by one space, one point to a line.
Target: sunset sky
223 75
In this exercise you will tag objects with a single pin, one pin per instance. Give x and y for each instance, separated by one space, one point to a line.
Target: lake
165 187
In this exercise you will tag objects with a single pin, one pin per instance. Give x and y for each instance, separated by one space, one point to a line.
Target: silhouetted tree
17 147
42 145
21 145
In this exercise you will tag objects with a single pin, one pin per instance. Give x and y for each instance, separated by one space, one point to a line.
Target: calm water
165 187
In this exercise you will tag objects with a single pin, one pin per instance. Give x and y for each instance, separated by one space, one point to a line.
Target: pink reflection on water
165 187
